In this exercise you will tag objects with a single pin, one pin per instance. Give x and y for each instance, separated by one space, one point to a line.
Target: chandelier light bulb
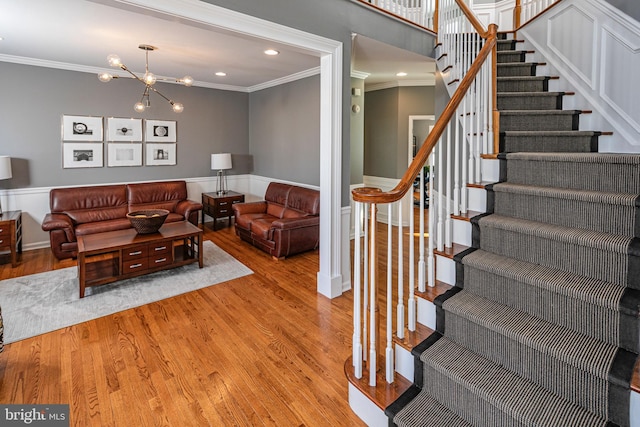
139 107
105 77
149 78
114 60
187 81
177 107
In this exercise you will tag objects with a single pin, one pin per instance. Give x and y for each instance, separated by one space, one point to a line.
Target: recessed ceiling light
221 74
271 52
401 74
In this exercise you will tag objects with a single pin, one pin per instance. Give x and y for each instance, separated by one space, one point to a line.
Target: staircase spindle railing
448 158
423 13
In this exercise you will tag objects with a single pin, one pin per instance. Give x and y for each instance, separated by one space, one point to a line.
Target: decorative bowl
148 221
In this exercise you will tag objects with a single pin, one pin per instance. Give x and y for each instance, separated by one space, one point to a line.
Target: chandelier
148 80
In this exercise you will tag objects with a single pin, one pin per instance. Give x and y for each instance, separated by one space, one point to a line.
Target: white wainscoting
595 49
500 13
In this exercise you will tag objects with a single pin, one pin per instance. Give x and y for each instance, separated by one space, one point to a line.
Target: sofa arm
292 223
250 207
189 210
53 221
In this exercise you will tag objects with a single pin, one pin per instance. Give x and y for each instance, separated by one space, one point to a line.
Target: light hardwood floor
264 349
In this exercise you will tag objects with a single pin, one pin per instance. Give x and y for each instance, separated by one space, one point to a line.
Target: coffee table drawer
135 252
160 260
159 248
135 265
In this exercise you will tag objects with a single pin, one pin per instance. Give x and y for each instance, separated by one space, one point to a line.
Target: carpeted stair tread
588 171
551 120
522 84
517 69
426 411
547 293
530 100
593 254
487 394
549 141
593 210
573 366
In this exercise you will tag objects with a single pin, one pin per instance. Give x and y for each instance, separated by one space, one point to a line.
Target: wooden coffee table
117 255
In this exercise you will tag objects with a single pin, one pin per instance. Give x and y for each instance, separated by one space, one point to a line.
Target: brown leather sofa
287 222
80 211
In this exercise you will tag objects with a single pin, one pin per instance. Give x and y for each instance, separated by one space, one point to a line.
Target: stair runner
542 326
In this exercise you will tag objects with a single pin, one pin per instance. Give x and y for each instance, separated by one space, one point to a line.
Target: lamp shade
221 161
5 167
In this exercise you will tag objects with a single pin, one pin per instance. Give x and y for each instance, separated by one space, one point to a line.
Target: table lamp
5 171
221 162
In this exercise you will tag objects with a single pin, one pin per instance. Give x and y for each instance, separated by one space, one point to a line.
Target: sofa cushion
262 228
106 203
277 193
244 221
156 195
304 199
82 216
101 226
275 210
293 213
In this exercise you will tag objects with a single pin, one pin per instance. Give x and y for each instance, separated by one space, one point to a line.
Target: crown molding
286 79
403 83
359 74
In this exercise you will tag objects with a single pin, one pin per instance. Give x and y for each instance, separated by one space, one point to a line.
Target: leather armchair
287 222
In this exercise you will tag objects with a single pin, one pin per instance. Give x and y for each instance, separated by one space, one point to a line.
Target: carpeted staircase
542 326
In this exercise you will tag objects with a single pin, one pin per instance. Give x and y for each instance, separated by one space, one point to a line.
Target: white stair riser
462 232
477 199
426 313
404 362
445 270
365 409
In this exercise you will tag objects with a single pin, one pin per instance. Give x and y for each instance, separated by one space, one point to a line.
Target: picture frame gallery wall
128 141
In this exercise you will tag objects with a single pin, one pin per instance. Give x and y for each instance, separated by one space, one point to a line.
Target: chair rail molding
592 47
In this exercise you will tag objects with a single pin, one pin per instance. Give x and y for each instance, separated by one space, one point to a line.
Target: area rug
39 303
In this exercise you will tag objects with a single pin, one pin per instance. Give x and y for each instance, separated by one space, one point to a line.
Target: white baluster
357 314
411 304
400 308
456 162
432 214
421 262
373 359
441 201
365 297
389 348
448 225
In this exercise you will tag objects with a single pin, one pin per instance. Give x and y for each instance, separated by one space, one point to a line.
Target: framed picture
81 128
160 131
124 129
119 154
161 154
82 155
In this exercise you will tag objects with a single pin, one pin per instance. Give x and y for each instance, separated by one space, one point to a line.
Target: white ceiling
79 34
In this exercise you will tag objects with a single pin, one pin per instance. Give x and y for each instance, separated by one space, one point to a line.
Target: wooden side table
219 205
11 234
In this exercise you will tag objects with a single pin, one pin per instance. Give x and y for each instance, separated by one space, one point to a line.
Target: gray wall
284 131
35 98
630 7
386 120
357 133
337 20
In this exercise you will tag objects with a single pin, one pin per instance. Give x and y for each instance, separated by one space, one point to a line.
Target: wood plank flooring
264 349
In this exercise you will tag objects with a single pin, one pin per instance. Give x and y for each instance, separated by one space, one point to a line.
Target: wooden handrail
366 195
